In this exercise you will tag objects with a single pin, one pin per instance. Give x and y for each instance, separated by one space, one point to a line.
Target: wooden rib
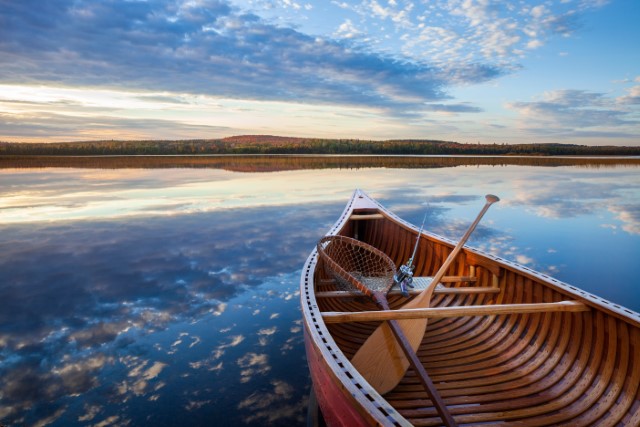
572 386
572 403
370 232
410 242
624 413
529 391
503 336
425 380
499 332
526 380
460 335
464 329
494 398
484 364
594 391
397 243
425 249
613 387
439 328
482 361
472 373
501 402
466 332
390 243
436 312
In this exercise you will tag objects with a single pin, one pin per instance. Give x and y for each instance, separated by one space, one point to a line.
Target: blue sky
461 70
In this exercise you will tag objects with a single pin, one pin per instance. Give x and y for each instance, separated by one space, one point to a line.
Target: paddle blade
381 360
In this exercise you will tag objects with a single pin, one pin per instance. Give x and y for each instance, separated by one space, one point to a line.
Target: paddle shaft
425 297
416 365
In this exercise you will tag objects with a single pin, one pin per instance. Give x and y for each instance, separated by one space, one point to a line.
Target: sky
469 71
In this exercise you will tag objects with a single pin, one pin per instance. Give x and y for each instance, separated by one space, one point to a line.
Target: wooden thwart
437 291
457 311
367 216
419 279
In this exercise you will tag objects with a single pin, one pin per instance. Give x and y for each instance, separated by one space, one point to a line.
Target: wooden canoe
504 345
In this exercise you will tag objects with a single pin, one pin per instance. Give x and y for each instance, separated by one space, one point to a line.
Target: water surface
139 292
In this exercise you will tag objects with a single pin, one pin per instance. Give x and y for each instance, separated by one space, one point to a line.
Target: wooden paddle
381 360
355 264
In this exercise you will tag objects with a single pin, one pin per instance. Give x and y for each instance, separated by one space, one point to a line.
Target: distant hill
269 144
264 139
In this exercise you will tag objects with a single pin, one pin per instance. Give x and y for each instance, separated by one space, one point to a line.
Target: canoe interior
522 369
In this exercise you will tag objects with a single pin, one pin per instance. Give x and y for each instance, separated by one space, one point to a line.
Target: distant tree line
270 163
266 144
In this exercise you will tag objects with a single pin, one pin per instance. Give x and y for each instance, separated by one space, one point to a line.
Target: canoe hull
523 369
337 409
343 395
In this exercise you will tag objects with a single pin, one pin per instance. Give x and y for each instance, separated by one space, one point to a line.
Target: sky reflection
136 297
130 317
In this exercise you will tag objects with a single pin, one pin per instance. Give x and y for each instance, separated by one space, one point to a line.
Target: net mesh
356 265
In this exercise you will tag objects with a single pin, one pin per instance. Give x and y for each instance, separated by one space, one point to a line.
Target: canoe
503 344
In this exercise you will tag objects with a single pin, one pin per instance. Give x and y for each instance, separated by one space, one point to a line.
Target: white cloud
51 418
108 421
139 376
154 370
90 412
235 340
630 217
268 331
523 259
252 364
347 30
534 44
580 113
272 406
632 97
539 11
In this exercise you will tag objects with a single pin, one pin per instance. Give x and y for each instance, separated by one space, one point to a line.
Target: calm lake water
145 291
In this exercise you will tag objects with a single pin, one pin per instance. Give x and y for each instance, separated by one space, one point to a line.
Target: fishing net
355 265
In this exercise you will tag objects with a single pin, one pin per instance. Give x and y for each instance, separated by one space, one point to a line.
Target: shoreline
284 162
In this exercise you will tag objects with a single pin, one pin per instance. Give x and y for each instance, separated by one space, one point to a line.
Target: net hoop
356 265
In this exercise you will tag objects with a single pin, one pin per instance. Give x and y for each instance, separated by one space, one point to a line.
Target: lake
164 291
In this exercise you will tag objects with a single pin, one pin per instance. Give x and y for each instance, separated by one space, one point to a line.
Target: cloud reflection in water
152 310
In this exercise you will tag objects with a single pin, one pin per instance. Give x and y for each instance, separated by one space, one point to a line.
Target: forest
268 163
267 144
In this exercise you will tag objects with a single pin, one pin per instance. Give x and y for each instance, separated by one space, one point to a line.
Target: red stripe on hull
335 405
